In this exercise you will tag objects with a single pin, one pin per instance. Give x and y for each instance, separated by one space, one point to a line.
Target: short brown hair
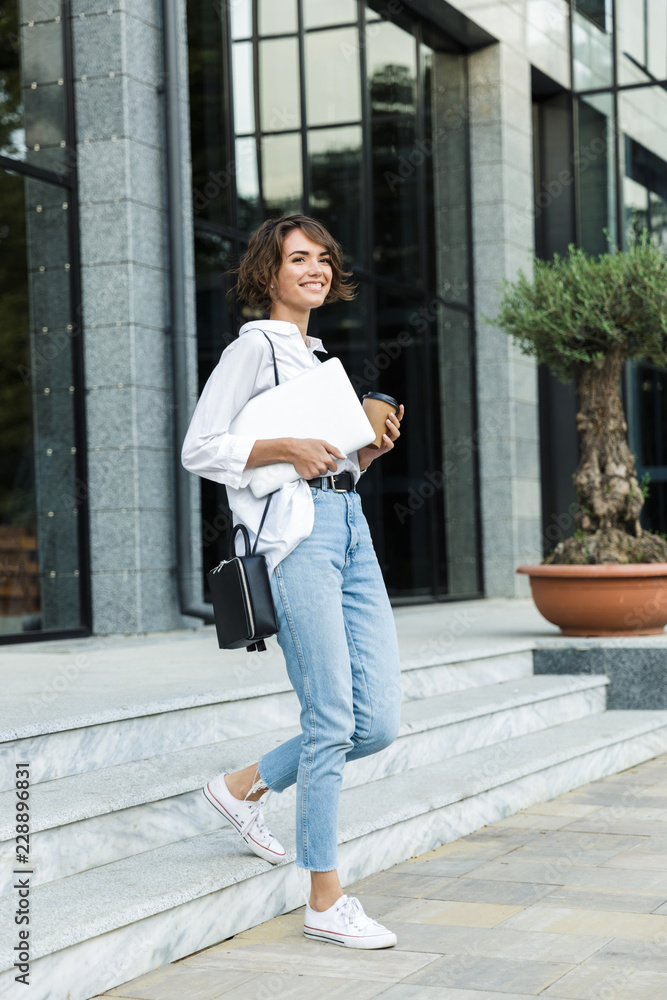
262 260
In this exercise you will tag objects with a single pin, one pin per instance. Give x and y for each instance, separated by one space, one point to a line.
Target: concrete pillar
502 237
124 256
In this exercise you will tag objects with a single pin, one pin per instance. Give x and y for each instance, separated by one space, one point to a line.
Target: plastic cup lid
381 395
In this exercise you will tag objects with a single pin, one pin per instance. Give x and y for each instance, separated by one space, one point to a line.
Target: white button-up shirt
245 369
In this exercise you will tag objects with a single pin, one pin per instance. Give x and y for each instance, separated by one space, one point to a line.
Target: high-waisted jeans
337 632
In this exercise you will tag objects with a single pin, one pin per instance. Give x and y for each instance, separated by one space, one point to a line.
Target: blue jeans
337 631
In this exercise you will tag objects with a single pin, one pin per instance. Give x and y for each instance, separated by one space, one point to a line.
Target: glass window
333 87
32 93
594 162
395 205
40 494
211 166
392 69
280 102
244 87
393 189
282 178
592 39
277 18
656 38
247 184
645 155
240 18
631 40
335 162
319 13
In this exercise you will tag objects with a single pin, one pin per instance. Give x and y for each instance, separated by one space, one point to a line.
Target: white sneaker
247 818
345 923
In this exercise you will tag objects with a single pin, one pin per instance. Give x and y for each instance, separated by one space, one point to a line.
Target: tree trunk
606 478
610 498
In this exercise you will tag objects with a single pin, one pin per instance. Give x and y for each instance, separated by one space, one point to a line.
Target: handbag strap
266 506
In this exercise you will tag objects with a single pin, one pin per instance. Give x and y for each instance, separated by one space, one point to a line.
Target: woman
336 627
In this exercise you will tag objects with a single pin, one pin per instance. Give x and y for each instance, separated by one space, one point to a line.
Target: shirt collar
286 330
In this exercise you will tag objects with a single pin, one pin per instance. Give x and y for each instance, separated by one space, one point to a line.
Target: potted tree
583 317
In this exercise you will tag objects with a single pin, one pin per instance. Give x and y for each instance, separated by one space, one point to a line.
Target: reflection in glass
595 166
318 13
277 18
395 206
40 496
211 167
216 328
593 64
413 545
392 69
335 160
282 179
32 93
645 147
280 102
240 18
631 42
244 106
656 38
333 90
247 185
455 390
446 174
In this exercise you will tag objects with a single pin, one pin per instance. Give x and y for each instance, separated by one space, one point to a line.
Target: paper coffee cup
377 407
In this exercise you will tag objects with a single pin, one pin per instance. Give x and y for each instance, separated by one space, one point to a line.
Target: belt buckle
333 485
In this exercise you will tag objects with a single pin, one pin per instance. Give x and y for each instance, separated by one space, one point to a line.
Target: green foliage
580 308
644 484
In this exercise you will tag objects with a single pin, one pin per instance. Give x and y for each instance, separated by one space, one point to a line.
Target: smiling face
303 279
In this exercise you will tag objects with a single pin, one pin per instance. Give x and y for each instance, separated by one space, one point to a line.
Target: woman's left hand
366 455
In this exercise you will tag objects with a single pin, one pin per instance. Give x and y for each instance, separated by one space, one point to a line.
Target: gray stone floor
567 899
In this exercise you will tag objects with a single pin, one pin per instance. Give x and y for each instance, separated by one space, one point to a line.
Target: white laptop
321 403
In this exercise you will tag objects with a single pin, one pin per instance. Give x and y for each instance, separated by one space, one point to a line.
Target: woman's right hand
313 457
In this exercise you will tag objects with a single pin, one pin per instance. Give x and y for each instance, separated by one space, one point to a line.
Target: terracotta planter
602 600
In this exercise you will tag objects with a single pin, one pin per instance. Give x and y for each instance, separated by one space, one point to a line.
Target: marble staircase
132 868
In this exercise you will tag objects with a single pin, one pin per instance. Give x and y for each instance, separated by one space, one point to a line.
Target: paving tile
400 884
481 973
313 958
649 956
404 992
444 867
524 821
602 899
499 833
574 875
474 890
638 859
293 986
592 982
578 848
645 926
566 949
289 926
558 808
454 913
173 982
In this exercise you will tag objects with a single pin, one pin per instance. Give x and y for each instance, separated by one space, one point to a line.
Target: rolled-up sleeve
209 450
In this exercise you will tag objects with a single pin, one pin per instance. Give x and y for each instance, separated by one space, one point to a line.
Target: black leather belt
341 483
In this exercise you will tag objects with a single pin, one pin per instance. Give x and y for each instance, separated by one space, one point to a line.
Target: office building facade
443 143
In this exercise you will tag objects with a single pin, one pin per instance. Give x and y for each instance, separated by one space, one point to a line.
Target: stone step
132 808
112 724
97 929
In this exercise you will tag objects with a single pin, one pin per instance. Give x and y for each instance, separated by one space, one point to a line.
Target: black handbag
241 590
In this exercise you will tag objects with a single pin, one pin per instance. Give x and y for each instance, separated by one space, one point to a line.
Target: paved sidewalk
566 899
